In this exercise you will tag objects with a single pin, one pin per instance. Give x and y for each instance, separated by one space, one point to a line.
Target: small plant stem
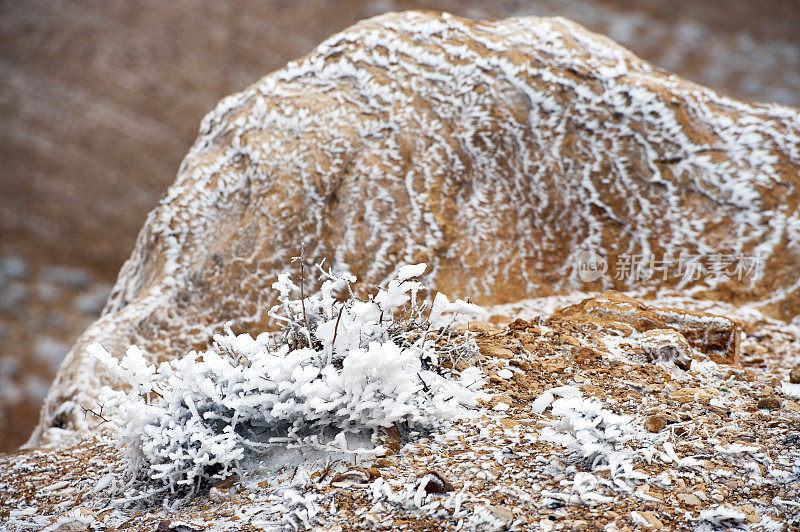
302 295
424 336
325 471
335 331
424 384
100 414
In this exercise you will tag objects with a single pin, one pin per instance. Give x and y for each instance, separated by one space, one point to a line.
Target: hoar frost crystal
337 369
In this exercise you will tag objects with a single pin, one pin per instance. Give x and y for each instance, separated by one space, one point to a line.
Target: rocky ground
588 425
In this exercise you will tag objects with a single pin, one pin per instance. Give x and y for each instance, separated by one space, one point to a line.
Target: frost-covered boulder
502 153
667 345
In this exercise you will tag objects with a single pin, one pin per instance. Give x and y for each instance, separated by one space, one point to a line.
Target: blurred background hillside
100 100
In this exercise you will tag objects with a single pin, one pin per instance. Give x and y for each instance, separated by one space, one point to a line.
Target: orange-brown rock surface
712 335
498 152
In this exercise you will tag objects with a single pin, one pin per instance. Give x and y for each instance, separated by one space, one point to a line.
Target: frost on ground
569 427
336 374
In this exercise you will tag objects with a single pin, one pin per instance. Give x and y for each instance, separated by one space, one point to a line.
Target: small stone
462 364
769 403
640 520
357 475
501 407
497 399
667 345
436 483
219 495
570 340
656 423
228 483
690 395
651 518
587 354
794 375
518 325
521 364
750 511
498 352
690 499
733 484
505 374
546 525
77 521
501 513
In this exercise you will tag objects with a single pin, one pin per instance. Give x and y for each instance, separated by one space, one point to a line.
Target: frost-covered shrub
594 436
335 369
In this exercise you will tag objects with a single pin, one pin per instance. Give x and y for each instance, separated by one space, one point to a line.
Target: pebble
499 352
651 518
436 483
750 511
769 403
645 519
505 374
546 525
501 513
356 476
690 499
218 495
794 375
656 423
579 526
690 395
72 526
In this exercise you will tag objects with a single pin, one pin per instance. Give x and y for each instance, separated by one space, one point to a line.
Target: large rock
498 152
713 335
